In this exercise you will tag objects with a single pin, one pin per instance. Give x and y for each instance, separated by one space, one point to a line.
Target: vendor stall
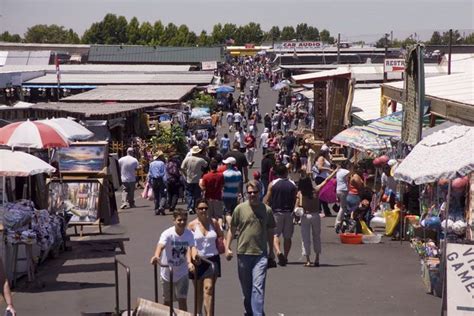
450 164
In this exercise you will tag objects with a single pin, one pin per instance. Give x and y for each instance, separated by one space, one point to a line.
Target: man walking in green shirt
255 223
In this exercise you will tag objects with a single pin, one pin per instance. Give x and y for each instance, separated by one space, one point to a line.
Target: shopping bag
145 191
150 195
328 192
391 221
365 229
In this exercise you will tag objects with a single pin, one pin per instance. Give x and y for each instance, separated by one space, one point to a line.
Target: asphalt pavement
377 279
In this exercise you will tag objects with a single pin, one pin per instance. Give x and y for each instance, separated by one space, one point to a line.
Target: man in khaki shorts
281 197
176 249
212 184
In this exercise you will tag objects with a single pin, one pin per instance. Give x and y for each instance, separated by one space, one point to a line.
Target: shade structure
69 128
224 89
446 154
387 126
360 139
20 164
282 84
31 134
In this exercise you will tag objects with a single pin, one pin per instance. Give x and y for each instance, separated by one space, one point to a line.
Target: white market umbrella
21 164
32 134
69 128
446 154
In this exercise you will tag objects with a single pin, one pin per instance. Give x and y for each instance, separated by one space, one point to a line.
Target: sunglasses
252 192
202 208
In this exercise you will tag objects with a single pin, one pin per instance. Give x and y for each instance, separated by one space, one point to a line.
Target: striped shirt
232 180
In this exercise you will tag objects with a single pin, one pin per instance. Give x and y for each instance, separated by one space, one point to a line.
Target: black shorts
203 270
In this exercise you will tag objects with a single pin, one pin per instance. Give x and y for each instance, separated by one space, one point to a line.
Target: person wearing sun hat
192 168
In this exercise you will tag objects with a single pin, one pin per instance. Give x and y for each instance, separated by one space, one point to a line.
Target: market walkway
382 279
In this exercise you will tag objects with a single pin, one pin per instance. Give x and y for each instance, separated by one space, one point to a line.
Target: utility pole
449 50
391 36
338 47
385 57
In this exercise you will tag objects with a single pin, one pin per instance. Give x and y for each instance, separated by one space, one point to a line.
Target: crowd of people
298 184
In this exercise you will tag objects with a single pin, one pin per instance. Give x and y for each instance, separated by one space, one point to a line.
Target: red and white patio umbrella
32 134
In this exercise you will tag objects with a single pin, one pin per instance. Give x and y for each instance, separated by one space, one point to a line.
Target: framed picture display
83 157
78 197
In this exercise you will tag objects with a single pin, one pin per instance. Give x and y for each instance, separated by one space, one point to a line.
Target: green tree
301 31
288 33
203 39
326 37
133 31
469 39
435 38
456 39
169 35
158 31
273 35
229 31
250 33
53 34
183 37
146 34
217 36
7 37
93 35
312 34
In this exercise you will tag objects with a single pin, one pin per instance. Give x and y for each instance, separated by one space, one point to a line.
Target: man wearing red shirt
212 184
250 141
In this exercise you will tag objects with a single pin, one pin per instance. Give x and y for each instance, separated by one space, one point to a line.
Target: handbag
145 191
220 243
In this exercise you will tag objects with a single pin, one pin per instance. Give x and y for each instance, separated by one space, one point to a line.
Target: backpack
173 171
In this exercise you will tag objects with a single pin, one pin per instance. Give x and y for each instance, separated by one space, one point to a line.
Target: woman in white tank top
206 230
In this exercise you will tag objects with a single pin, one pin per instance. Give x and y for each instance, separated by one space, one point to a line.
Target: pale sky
356 20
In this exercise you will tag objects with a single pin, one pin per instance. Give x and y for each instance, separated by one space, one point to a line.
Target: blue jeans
252 274
193 192
158 186
352 202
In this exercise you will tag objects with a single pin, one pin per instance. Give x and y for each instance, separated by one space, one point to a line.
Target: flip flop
308 265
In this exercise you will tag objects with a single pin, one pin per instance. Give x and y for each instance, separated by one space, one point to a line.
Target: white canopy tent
447 154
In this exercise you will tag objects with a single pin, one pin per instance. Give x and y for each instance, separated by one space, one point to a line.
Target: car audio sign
394 65
298 46
460 273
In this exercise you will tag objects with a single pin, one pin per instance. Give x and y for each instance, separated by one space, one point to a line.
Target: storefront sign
298 46
394 65
460 273
209 65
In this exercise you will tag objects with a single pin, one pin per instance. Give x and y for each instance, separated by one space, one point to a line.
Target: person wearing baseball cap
232 187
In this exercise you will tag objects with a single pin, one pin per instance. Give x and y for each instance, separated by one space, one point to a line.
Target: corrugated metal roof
95 109
90 68
321 75
133 93
199 78
457 88
151 54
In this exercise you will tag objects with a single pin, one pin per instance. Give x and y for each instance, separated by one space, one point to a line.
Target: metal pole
117 302
385 57
421 88
129 298
338 47
445 246
155 270
449 50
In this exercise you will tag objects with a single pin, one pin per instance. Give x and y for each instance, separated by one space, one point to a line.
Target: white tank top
205 245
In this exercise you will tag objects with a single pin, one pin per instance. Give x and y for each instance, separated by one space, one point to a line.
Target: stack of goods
25 224
16 220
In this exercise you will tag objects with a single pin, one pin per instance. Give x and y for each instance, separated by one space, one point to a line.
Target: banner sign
298 46
208 65
460 278
394 65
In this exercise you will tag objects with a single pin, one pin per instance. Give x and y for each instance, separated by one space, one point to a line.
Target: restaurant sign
298 46
394 65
